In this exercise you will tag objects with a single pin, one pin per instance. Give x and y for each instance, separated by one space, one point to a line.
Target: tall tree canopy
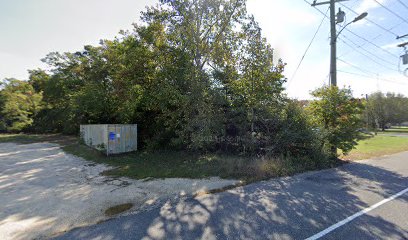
18 104
193 74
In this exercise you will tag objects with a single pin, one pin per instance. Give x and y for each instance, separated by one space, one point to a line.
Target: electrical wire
324 14
368 41
370 21
367 71
307 49
356 67
376 37
372 60
365 50
392 12
403 4
366 76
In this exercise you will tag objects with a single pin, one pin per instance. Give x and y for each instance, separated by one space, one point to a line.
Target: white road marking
356 215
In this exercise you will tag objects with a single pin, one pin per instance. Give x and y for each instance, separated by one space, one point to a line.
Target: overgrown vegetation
182 164
194 76
200 80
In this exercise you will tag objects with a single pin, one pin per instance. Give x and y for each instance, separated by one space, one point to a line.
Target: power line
365 76
368 41
392 12
376 37
324 14
365 50
356 67
370 21
403 4
366 71
374 61
307 49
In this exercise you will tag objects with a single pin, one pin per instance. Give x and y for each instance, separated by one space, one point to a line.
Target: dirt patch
44 191
115 210
222 189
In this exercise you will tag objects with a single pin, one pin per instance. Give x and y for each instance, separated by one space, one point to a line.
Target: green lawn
382 144
397 130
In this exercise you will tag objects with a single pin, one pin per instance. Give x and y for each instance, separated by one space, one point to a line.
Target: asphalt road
364 200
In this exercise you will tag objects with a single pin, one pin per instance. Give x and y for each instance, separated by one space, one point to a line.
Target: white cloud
366 5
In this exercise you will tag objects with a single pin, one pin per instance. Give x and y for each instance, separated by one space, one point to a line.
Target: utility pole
333 39
333 45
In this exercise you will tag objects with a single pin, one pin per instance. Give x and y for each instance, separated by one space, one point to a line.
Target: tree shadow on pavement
286 208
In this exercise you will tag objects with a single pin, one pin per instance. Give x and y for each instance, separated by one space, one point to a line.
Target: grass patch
396 130
179 164
112 211
380 145
34 138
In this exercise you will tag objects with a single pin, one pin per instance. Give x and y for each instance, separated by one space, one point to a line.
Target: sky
368 59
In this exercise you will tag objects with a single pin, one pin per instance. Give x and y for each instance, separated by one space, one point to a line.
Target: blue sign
112 136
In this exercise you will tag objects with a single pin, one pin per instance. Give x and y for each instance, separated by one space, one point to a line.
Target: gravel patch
44 191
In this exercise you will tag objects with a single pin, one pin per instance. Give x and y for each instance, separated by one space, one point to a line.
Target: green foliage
190 73
19 104
296 135
382 109
336 117
194 75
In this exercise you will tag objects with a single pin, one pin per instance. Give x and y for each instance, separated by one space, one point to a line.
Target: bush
336 116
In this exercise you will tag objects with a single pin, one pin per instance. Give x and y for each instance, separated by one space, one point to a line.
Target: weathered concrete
44 191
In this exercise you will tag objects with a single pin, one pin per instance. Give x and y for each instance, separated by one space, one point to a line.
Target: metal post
333 34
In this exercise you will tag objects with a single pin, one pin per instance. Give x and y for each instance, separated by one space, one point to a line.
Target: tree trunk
333 151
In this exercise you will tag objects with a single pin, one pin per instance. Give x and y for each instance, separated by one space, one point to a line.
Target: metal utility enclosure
110 138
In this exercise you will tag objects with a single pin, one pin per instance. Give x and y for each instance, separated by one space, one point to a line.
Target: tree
38 79
336 115
383 109
204 31
19 104
192 73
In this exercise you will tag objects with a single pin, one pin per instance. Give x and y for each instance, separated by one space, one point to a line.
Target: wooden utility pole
333 39
333 44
